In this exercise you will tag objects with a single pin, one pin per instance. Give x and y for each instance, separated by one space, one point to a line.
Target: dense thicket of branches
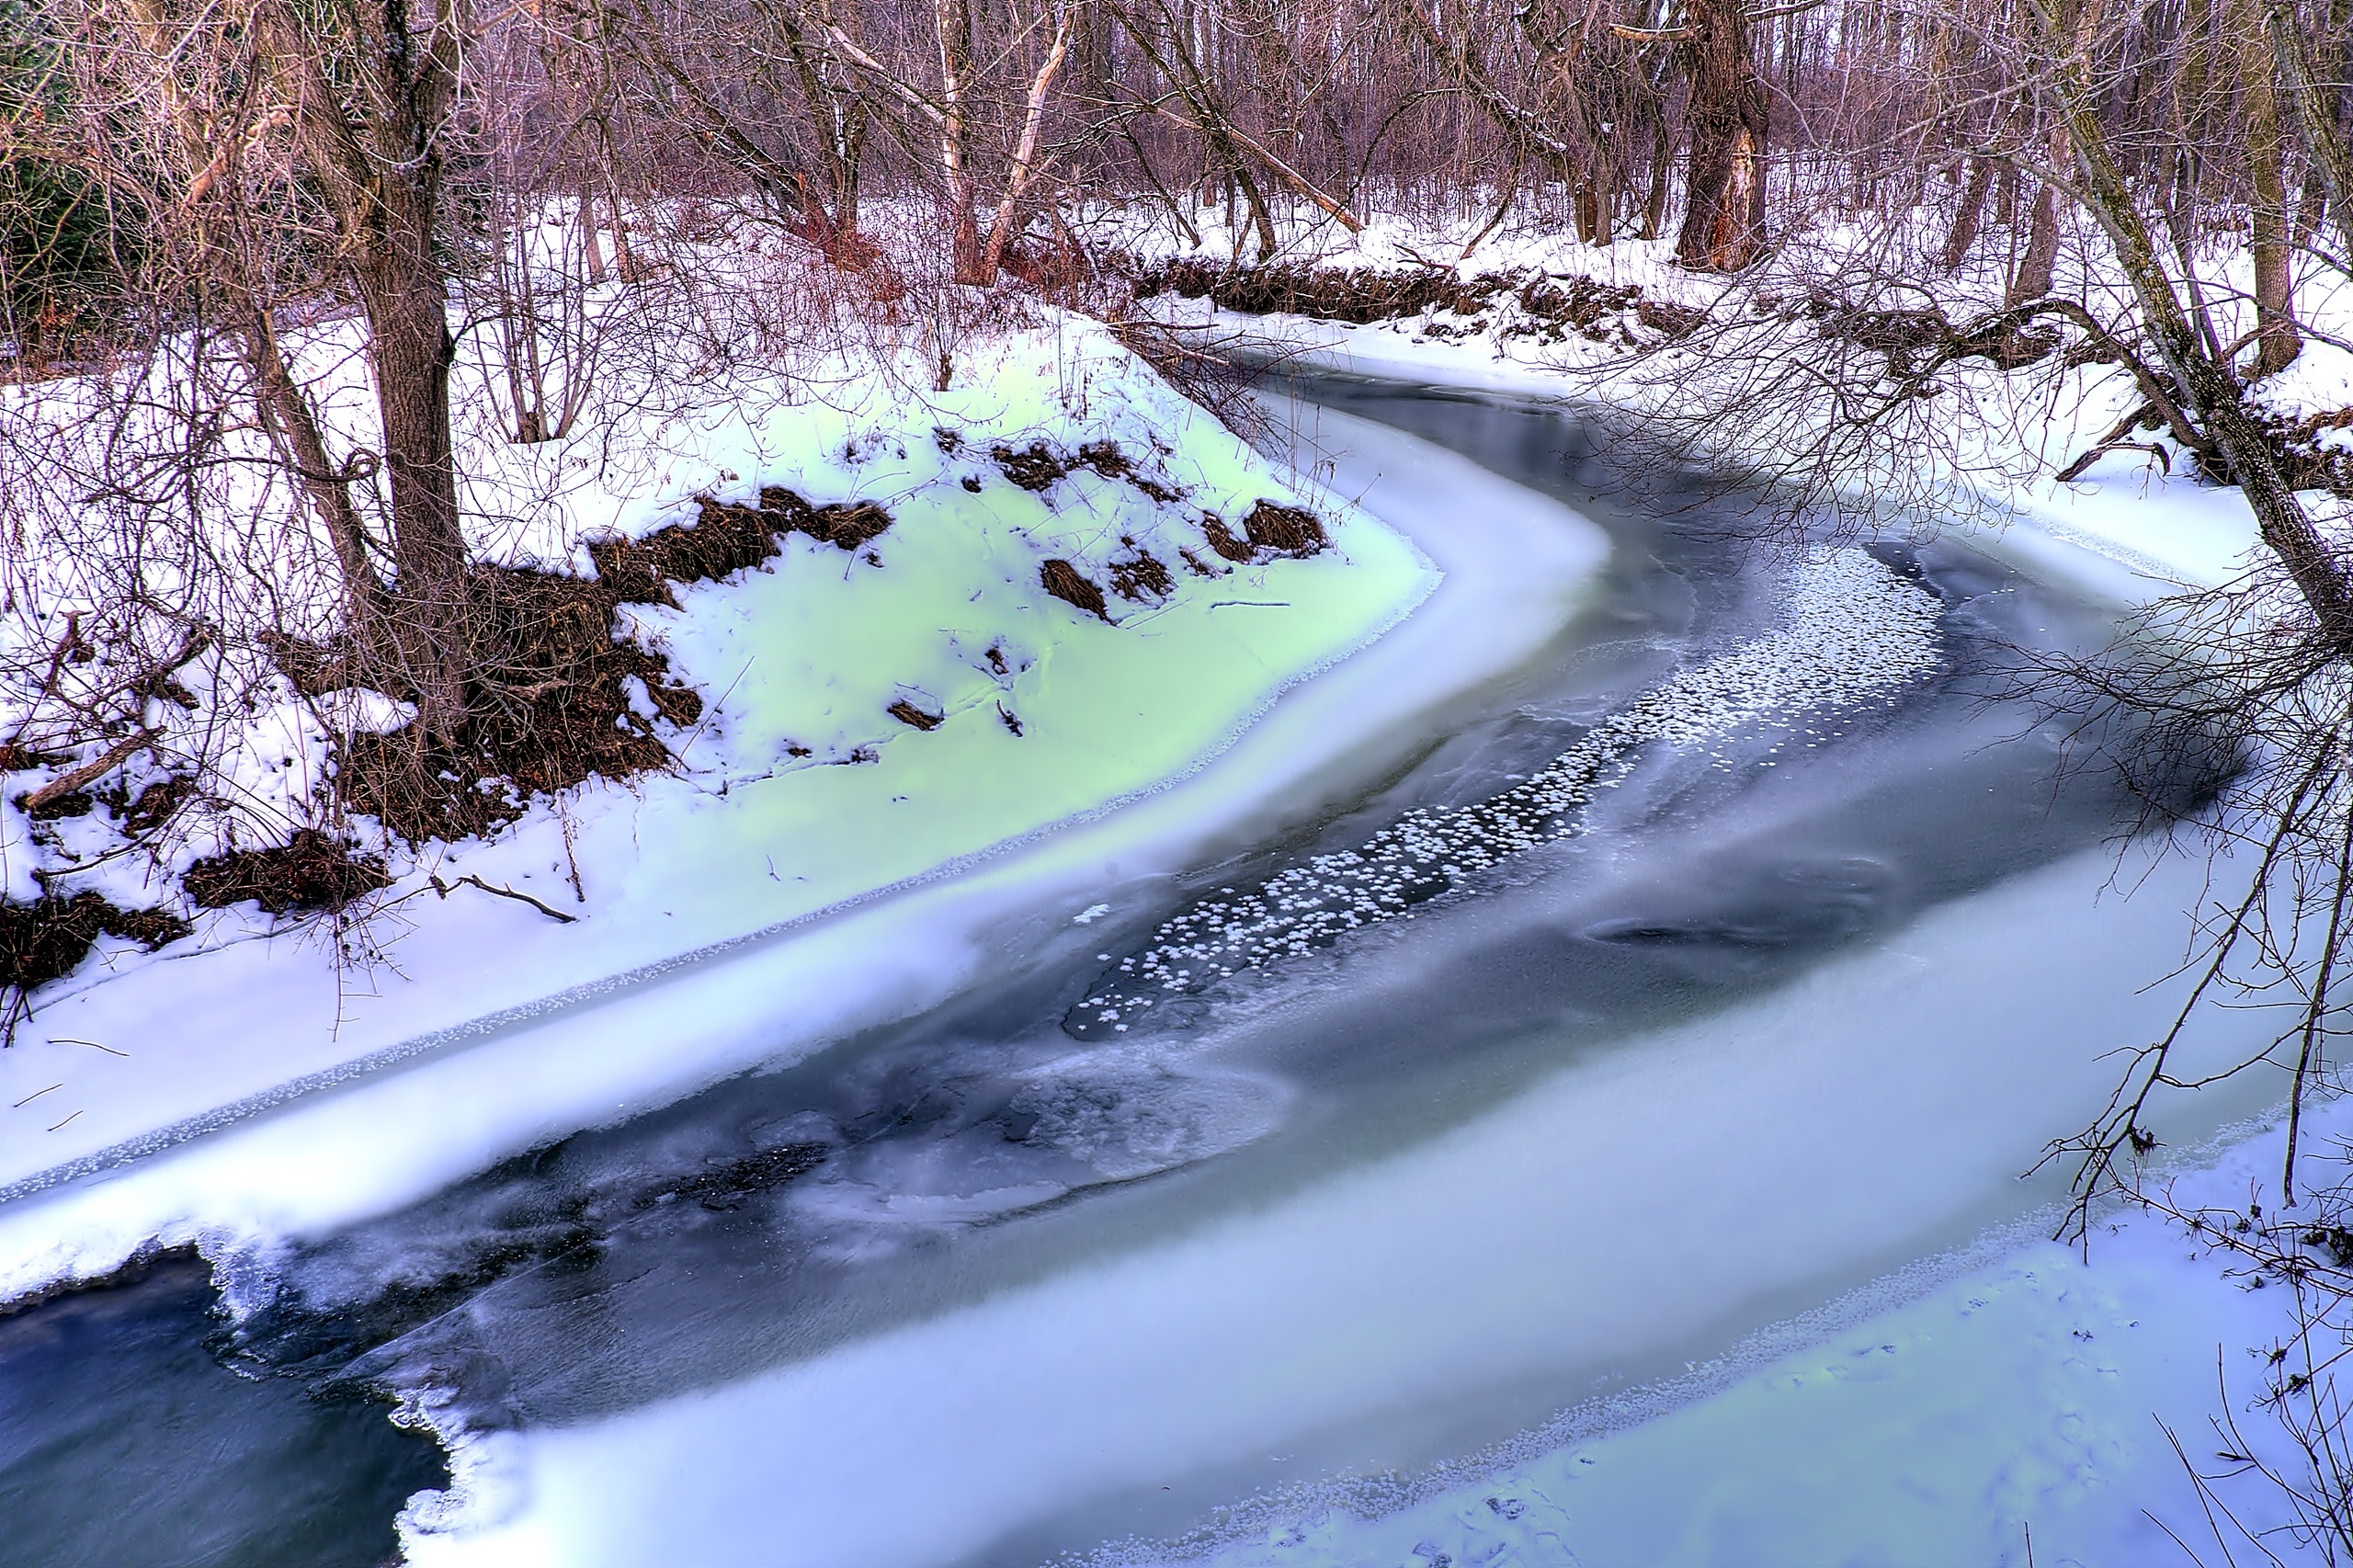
1714 123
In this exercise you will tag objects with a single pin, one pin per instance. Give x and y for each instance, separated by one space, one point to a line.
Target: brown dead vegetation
1034 468
45 938
551 702
1142 575
726 538
1039 466
1541 305
914 718
1287 530
1221 540
311 871
1071 585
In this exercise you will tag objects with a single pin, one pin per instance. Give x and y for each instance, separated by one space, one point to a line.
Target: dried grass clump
1287 530
310 872
1071 585
1035 467
726 538
1140 576
1221 540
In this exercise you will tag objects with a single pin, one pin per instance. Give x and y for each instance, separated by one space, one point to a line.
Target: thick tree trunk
1723 218
407 302
383 178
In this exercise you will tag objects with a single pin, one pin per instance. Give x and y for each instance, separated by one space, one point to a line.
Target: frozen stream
1738 950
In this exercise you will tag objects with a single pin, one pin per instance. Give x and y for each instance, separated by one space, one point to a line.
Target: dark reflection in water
124 1443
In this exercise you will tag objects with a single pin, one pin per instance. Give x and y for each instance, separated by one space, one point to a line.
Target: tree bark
954 21
1723 218
2032 278
382 178
2277 342
1962 237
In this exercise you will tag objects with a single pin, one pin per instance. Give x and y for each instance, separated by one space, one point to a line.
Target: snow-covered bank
2122 529
800 790
1515 564
2133 525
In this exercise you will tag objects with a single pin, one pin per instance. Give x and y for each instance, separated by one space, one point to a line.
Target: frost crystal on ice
1856 634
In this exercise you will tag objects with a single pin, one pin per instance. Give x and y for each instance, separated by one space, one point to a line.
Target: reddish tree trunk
1723 218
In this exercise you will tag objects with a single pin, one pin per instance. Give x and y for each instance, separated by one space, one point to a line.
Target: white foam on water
1853 634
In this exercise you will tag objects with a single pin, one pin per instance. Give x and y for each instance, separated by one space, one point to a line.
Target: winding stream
1737 950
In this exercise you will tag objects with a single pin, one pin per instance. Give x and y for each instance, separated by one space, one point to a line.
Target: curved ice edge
597 992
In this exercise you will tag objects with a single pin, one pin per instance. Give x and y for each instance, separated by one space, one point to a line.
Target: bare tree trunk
1723 215
2277 342
2032 278
386 193
1025 151
954 22
1962 237
592 248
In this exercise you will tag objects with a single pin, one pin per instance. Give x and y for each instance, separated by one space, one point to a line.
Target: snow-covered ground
2128 525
